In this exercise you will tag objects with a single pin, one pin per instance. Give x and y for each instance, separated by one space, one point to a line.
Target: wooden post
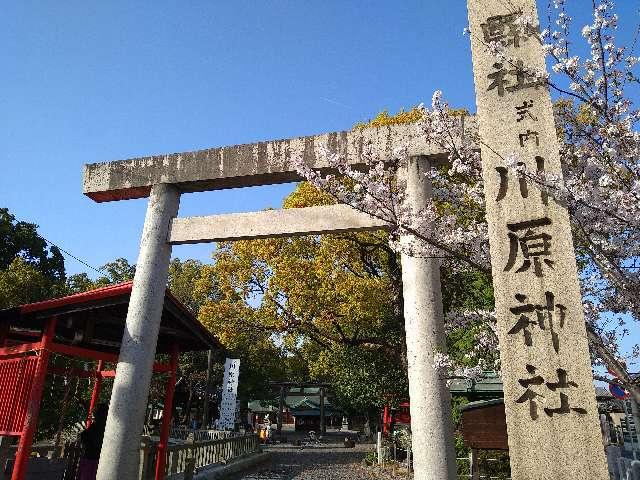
95 394
323 427
280 408
166 415
207 390
33 407
474 471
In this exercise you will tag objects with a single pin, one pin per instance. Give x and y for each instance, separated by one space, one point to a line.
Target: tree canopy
30 269
325 308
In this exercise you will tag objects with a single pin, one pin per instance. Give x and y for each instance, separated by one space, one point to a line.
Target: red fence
16 377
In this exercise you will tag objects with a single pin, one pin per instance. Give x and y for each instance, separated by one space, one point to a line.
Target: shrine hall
87 326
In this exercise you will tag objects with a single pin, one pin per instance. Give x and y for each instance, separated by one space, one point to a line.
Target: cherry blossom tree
598 128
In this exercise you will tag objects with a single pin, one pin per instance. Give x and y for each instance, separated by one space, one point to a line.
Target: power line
99 270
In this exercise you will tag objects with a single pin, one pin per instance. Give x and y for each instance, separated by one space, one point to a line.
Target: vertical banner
226 420
551 410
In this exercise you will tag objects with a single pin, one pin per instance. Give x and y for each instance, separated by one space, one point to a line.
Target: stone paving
313 463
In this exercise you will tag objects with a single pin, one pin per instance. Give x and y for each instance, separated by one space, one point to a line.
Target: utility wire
99 270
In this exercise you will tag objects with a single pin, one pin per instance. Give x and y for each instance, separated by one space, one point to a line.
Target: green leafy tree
22 282
327 308
30 270
118 271
21 239
287 302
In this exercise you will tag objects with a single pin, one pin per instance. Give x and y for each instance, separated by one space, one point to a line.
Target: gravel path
313 464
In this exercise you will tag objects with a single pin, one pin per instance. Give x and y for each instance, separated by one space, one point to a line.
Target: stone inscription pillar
119 458
551 411
430 400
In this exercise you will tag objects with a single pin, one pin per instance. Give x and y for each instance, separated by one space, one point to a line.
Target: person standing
267 426
91 439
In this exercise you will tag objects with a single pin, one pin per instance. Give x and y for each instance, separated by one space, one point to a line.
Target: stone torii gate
164 178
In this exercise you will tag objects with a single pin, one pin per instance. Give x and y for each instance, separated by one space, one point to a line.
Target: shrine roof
482 404
96 320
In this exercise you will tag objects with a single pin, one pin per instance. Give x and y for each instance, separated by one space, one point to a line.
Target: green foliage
414 114
462 453
21 239
456 413
22 282
29 270
466 290
79 282
363 379
383 118
327 308
118 271
192 283
494 464
370 458
312 307
55 411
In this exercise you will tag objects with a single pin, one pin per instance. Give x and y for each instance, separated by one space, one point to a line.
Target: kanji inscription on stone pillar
551 410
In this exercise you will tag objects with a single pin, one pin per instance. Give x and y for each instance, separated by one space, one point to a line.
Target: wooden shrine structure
288 389
87 326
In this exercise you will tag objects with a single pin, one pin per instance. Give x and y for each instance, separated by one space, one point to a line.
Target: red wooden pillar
161 456
95 395
33 406
386 420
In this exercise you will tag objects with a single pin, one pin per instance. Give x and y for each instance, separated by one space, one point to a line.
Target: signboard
227 418
618 392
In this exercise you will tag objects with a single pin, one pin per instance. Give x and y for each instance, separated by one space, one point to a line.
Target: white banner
226 421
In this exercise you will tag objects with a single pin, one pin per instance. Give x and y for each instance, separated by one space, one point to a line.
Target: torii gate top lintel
261 163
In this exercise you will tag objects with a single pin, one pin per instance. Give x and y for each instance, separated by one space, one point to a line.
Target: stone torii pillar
430 400
121 456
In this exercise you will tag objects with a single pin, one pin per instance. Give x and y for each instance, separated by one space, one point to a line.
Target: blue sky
95 81
88 81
